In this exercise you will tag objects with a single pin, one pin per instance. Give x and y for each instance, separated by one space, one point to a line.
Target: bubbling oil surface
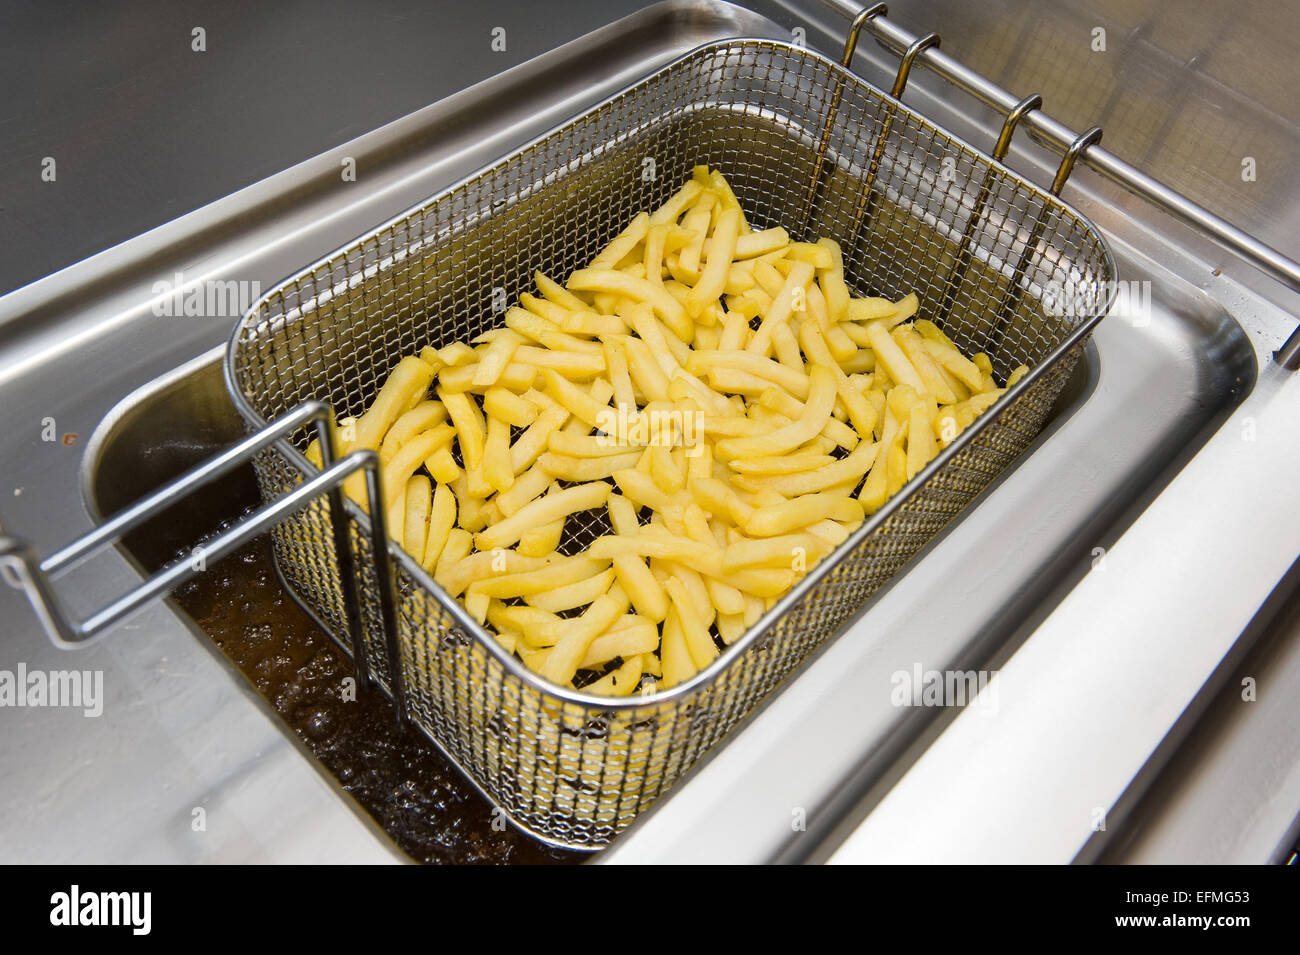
397 776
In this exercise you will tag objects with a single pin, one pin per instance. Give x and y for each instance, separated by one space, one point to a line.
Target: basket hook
1018 112
909 57
1082 142
851 44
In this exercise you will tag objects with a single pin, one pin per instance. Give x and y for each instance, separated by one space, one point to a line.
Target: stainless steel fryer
806 145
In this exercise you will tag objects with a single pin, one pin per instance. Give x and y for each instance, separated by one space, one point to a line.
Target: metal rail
1062 139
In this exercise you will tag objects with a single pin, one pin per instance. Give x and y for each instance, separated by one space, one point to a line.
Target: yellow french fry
553 291
405 387
921 447
620 682
673 208
459 543
678 667
641 290
817 409
577 594
417 505
801 511
471 430
442 518
509 407
541 541
398 470
580 632
721 250
629 636
425 415
782 307
699 644
542 511
622 244
564 467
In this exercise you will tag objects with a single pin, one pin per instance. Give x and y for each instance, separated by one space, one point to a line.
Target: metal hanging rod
1062 139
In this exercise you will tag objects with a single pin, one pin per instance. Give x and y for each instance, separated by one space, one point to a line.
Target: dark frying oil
397 776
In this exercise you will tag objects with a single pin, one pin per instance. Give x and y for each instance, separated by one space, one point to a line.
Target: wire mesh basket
806 145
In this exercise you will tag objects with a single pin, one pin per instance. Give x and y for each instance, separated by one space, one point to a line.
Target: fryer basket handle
23 570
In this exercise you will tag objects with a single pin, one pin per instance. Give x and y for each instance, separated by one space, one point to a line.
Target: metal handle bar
35 577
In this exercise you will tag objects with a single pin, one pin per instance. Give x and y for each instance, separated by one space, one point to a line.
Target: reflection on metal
1250 249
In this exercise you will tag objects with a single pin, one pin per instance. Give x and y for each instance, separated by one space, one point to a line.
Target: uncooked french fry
442 518
542 511
821 399
580 632
620 682
425 415
417 503
471 431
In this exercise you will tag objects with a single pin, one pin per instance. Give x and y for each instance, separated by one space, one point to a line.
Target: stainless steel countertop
143 128
1086 696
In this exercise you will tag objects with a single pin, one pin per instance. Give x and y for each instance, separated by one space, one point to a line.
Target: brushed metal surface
1096 669
143 128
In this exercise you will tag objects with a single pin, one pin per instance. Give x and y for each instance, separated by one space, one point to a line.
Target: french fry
580 632
553 574
773 553
721 251
695 632
553 291
511 408
678 667
655 295
673 208
404 388
398 470
637 637
494 359
541 541
417 504
623 244
471 430
497 465
782 307
456 548
517 377
542 511
821 399
802 511
425 415
578 594
442 518
620 682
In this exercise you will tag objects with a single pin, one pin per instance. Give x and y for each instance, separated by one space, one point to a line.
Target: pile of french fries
713 393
